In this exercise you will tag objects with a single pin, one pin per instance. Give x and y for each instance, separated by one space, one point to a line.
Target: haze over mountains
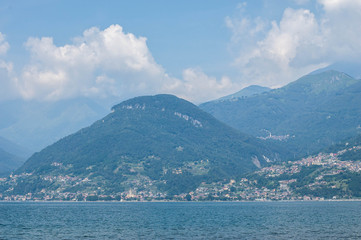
311 113
163 145
12 156
159 140
245 92
8 162
29 126
34 125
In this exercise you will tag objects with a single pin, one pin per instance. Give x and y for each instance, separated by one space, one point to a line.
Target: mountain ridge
245 92
309 114
159 140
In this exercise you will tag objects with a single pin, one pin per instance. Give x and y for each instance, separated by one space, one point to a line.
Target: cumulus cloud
4 46
339 5
98 63
7 75
196 86
298 44
7 81
342 29
101 64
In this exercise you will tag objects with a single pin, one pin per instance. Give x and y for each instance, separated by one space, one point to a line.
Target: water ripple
271 220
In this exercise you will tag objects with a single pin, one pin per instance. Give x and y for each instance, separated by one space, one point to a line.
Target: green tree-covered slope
159 140
306 115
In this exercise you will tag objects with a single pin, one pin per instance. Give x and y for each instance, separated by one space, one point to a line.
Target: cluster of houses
272 186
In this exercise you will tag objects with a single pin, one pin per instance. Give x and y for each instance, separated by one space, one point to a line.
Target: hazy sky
199 50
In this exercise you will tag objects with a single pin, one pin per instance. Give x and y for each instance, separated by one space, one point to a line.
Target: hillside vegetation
159 143
305 116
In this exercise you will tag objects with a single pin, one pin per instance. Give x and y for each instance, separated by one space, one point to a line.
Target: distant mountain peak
333 74
160 140
166 105
322 82
351 68
316 110
156 101
251 90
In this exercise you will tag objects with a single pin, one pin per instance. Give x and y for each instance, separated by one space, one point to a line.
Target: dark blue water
210 220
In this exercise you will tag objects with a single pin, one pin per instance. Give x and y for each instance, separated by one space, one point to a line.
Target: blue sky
199 50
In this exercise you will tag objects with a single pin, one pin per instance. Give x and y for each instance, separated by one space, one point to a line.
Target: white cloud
97 64
298 44
285 42
7 75
4 46
342 29
7 81
196 86
340 5
104 64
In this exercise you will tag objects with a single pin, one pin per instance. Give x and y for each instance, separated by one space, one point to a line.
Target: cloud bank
4 46
110 63
99 63
102 64
7 76
276 53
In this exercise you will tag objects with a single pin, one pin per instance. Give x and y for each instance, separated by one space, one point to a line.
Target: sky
109 51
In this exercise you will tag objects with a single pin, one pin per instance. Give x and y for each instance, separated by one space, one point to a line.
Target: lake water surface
180 220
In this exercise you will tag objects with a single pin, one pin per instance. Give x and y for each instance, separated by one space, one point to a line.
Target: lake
180 220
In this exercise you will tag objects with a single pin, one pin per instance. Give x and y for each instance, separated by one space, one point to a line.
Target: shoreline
175 201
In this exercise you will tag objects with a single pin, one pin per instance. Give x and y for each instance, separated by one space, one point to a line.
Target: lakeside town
274 182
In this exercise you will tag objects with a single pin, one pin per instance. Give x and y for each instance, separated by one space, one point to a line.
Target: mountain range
304 116
163 146
159 140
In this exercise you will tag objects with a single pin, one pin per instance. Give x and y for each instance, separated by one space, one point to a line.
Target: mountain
304 116
14 148
35 125
8 162
159 144
350 148
351 67
245 92
12 156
